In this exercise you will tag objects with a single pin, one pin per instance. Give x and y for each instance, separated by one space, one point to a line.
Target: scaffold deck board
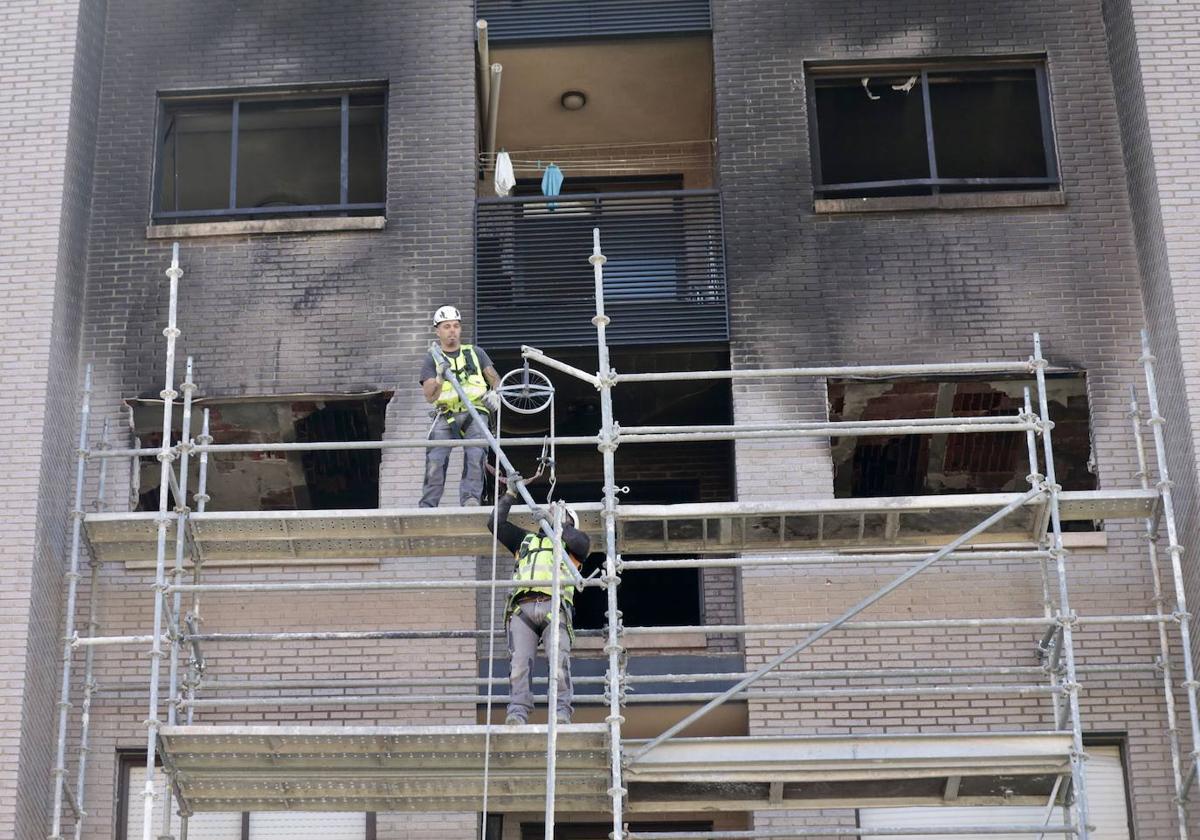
810 772
385 768
243 538
330 768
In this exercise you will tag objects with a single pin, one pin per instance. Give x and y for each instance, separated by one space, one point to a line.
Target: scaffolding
567 768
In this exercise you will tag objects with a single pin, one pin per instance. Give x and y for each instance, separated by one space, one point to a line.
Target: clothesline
552 150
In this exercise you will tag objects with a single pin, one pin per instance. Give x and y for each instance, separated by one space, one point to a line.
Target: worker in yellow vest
473 370
528 617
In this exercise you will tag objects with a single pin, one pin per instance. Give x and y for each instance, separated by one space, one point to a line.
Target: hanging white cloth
505 179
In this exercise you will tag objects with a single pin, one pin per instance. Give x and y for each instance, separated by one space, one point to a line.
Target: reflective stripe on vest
465 367
535 563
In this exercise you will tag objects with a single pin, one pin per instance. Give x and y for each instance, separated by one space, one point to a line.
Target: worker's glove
511 480
443 371
492 400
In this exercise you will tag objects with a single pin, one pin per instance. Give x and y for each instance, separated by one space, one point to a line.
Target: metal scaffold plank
220 768
241 537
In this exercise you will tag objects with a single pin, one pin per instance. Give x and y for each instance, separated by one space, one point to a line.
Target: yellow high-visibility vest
465 368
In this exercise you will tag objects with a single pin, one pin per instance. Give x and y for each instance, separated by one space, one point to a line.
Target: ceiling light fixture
573 100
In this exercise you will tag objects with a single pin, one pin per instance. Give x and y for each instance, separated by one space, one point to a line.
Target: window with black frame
922 130
255 156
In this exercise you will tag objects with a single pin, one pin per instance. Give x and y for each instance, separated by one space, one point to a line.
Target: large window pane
289 153
987 124
871 133
195 160
367 150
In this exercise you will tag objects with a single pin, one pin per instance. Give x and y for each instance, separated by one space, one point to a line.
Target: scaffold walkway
578 768
909 522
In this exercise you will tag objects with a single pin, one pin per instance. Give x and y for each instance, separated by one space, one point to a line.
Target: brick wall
812 289
49 58
1151 52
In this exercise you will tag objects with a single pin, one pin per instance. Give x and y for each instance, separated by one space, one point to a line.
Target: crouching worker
528 615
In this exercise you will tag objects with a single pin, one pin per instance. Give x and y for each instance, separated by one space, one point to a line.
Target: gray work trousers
437 459
522 648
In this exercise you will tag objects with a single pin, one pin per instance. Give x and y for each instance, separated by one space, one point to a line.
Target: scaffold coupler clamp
609 381
1068 621
1179 616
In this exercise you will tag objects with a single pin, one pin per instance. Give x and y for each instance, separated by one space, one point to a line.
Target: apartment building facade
777 184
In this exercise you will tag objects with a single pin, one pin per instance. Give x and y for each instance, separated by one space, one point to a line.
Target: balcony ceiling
638 91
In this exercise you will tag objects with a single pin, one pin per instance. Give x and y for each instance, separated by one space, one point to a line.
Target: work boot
562 717
514 720
471 503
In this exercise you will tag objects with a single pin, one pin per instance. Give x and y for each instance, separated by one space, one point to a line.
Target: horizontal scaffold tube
632 679
852 831
932 623
811 558
635 434
1030 621
357 586
849 372
681 697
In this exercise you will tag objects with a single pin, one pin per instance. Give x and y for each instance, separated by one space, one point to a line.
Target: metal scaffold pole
1066 619
605 380
1175 550
89 678
1164 641
165 457
554 668
176 626
196 661
72 576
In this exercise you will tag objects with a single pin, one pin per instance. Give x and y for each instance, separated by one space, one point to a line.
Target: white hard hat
446 313
572 518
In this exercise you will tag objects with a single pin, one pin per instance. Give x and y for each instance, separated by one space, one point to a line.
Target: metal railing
536 20
664 280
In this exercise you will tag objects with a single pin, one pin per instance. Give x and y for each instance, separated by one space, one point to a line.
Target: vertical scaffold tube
1164 641
194 673
1035 481
89 659
1065 618
72 575
552 660
176 623
608 447
165 456
1175 550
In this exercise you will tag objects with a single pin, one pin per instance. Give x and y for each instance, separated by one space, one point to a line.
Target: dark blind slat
516 20
664 281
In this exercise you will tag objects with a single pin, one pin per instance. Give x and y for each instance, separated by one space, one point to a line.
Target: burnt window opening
924 130
259 156
296 480
978 462
666 473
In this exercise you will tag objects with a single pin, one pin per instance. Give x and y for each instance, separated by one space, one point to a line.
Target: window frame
828 70
166 100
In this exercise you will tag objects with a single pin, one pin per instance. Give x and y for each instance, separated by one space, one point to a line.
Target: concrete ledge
253 226
952 201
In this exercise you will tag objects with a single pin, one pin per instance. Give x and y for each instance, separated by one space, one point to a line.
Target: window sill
952 201
253 226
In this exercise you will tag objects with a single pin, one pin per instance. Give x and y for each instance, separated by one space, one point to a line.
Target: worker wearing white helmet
473 370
